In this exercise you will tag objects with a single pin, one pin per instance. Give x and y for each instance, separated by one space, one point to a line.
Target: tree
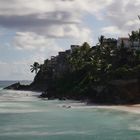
133 37
80 56
35 67
139 37
101 39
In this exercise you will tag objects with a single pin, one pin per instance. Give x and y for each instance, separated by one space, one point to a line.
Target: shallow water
25 117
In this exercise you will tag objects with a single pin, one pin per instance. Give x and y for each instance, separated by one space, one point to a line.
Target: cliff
120 92
115 92
18 86
102 74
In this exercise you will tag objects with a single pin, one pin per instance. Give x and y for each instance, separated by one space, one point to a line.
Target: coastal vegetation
106 73
35 67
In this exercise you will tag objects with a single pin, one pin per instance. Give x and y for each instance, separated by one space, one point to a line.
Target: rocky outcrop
14 86
18 86
43 95
115 92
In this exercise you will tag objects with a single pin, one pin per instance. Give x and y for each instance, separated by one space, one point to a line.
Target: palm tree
133 37
85 50
101 40
35 67
122 44
79 57
139 37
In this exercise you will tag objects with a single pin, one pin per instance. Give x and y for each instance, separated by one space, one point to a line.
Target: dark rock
14 86
120 92
18 86
43 95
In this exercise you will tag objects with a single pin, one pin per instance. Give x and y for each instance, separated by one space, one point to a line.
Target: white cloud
83 35
110 30
58 18
37 20
31 41
2 63
26 7
11 71
123 14
132 23
40 23
41 16
114 31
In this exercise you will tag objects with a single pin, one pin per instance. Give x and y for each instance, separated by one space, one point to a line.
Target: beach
25 116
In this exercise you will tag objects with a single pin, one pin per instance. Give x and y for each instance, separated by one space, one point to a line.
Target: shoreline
130 108
135 109
126 107
119 92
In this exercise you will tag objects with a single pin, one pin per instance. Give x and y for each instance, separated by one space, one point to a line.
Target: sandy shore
126 108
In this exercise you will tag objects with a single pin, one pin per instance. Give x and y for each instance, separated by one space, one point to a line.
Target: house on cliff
110 42
127 43
74 47
60 63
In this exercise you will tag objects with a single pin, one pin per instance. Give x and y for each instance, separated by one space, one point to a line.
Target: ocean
23 116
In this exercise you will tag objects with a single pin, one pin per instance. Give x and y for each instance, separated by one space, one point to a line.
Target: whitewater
23 116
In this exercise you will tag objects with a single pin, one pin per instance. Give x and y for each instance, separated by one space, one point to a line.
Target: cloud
113 31
60 18
41 16
36 44
83 35
36 21
15 71
123 14
110 30
32 41
27 7
39 24
38 16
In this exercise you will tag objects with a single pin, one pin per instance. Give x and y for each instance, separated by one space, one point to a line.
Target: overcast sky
33 30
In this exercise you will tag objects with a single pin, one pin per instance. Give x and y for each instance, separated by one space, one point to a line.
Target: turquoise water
25 117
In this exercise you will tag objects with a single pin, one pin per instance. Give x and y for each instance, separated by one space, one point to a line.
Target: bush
123 73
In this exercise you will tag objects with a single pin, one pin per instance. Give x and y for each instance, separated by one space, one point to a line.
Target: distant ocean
23 116
7 83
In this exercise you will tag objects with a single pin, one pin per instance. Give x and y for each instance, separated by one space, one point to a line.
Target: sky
34 30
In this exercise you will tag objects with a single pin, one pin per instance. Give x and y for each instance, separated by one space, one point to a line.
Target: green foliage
35 67
92 67
80 57
134 36
136 71
122 73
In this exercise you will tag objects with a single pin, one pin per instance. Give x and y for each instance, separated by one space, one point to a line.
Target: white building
127 43
73 47
125 40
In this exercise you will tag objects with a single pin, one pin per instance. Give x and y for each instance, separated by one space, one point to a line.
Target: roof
124 38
